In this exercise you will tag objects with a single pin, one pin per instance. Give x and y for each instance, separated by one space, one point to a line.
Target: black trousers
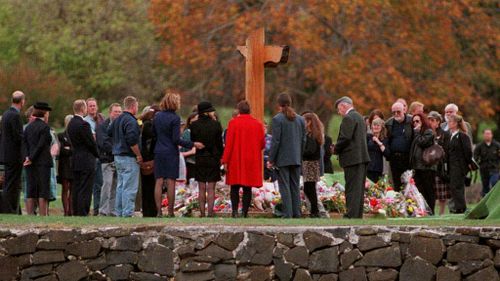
148 196
424 180
400 163
310 192
355 177
235 198
12 188
81 195
457 189
374 176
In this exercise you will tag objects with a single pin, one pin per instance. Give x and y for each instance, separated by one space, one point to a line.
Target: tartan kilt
442 189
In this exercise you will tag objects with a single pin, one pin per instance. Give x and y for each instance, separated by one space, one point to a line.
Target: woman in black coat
378 148
207 131
64 170
424 175
147 152
459 160
38 161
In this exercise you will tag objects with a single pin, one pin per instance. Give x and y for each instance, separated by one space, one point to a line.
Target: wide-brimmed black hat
42 106
204 107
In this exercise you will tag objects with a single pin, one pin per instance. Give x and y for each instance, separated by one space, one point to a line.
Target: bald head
18 98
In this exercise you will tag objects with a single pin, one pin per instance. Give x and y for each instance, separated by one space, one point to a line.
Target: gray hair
451 106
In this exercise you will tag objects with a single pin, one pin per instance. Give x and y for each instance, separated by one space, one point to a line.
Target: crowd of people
111 161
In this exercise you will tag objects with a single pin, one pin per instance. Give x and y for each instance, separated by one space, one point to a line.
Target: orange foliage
375 51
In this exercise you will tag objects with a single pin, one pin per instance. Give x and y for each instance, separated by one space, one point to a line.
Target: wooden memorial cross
257 56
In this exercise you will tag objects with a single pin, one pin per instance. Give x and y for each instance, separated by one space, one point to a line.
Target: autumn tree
375 51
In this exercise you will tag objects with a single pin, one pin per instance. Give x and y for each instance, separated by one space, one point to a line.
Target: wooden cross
257 56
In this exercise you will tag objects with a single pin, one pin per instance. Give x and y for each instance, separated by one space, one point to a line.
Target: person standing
11 154
487 153
242 158
311 156
452 109
167 130
424 174
105 147
208 131
84 158
64 167
459 159
400 134
287 146
148 141
38 160
352 149
378 149
125 136
441 185
189 154
94 118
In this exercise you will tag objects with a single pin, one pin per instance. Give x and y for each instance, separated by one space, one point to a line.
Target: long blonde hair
460 122
314 127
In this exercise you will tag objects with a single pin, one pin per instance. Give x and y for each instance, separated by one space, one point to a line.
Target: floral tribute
380 199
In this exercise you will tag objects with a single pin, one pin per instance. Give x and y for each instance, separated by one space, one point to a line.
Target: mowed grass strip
15 221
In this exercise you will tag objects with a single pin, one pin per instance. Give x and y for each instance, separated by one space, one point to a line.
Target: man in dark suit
38 160
84 159
11 154
353 156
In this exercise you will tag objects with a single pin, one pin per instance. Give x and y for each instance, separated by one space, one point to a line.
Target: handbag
147 168
433 154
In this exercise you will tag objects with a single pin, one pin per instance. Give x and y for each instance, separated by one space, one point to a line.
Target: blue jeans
489 179
127 171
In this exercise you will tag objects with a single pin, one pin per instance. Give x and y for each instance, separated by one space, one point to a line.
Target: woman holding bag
424 173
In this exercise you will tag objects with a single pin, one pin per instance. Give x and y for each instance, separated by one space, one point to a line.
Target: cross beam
257 56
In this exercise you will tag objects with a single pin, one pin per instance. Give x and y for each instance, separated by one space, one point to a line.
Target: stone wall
251 253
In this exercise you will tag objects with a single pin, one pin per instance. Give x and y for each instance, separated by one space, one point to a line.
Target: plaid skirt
311 170
442 189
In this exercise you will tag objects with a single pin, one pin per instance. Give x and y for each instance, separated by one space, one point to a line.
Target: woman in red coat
242 157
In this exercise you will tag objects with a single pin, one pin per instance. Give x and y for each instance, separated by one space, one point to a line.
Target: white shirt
454 134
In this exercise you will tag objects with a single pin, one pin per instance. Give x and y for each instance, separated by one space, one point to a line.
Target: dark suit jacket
83 144
288 140
36 143
351 144
458 151
11 137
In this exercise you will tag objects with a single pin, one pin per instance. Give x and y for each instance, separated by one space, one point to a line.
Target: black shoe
234 214
245 214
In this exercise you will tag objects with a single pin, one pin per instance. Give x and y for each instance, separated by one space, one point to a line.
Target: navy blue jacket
124 133
104 143
36 143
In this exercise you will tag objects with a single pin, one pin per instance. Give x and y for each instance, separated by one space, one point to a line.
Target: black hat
42 106
204 107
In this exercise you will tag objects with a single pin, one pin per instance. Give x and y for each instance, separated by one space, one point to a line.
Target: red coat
245 141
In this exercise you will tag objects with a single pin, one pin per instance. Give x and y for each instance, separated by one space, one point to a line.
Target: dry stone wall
251 253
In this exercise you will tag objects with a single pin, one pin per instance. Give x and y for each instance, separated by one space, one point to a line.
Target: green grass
7 221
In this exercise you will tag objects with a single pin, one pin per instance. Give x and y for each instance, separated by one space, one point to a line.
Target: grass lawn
7 221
